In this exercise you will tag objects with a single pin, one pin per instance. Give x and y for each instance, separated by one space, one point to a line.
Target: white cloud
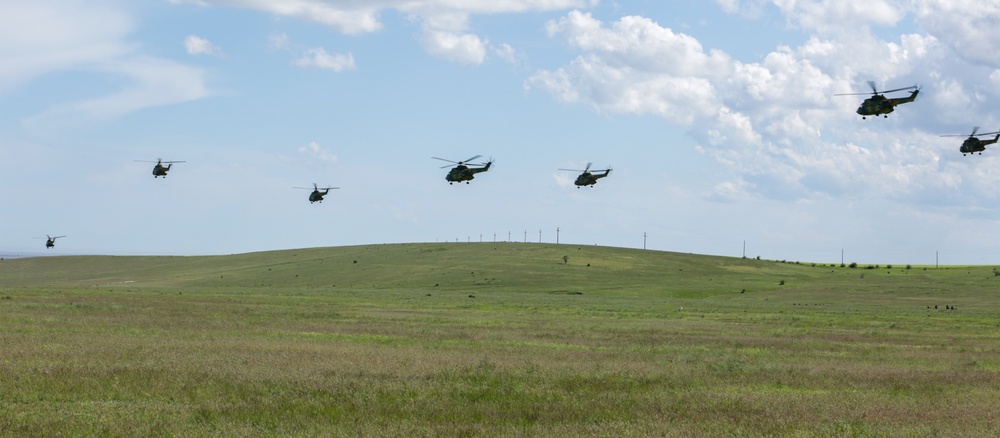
969 27
838 16
154 82
445 23
775 123
196 45
279 42
462 48
314 151
44 36
508 54
319 58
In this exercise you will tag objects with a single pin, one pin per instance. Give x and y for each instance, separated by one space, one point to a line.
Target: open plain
484 339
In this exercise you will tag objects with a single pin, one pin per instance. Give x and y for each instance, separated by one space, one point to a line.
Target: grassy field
485 339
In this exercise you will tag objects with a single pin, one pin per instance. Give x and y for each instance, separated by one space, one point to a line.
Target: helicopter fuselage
465 173
161 170
589 179
973 145
881 105
317 196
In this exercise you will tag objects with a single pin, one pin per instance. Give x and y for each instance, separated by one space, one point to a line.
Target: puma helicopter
878 104
586 178
462 170
317 195
973 144
159 169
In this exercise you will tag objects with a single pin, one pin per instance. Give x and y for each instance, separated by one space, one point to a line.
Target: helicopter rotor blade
587 169
447 165
913 87
872 85
470 159
974 129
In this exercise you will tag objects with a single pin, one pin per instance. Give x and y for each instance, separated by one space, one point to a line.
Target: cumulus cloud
445 23
775 123
827 16
462 48
508 54
316 152
279 41
196 45
319 58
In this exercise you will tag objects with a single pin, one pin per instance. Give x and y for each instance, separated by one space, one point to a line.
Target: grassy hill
494 339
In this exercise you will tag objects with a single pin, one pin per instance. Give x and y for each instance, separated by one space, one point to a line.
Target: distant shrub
870 267
908 267
781 283
888 266
854 265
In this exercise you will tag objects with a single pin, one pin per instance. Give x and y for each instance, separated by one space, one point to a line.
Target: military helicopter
51 242
317 195
879 104
462 172
586 178
973 144
159 170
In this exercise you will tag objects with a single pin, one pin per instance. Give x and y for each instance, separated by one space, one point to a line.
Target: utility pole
525 236
841 256
936 265
643 240
557 235
539 236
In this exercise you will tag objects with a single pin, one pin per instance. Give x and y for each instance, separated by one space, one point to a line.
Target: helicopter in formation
973 143
159 169
317 195
587 178
462 171
51 241
878 104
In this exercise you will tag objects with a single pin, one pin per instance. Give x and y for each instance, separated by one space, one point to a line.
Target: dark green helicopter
462 172
879 104
317 195
159 169
51 242
586 178
974 144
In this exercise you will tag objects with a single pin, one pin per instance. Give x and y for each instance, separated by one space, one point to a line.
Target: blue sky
719 119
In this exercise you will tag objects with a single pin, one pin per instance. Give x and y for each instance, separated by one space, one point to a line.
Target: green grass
494 339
